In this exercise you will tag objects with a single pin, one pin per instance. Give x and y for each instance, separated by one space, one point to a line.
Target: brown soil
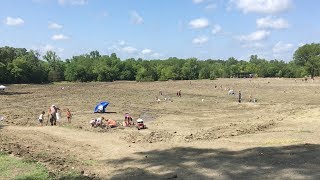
186 138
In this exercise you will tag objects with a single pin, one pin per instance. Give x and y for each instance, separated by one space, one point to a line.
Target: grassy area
15 168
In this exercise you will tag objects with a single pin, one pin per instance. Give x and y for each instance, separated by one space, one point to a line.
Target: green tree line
18 65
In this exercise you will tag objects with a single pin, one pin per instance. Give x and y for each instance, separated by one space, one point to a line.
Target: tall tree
56 71
190 69
308 56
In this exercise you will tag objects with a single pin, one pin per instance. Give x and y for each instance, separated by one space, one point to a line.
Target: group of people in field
166 98
110 123
102 122
249 100
54 116
230 92
239 99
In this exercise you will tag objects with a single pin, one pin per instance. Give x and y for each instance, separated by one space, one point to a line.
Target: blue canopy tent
101 107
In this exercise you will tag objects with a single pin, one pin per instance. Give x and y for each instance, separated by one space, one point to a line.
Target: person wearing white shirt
41 118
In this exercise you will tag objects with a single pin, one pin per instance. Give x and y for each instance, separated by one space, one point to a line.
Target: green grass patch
305 131
71 159
68 126
44 154
72 175
282 142
90 162
15 168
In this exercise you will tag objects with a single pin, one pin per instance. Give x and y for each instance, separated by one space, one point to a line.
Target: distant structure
2 87
243 75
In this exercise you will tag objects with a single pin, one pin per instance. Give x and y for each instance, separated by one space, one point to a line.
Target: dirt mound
154 136
227 131
158 136
147 116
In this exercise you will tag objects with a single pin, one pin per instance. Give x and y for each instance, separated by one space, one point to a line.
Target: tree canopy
308 56
18 65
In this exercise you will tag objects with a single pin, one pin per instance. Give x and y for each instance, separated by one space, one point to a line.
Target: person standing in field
58 116
53 115
41 117
49 116
239 98
69 116
179 93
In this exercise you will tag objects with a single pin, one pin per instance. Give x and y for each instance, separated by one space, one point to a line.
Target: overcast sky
150 29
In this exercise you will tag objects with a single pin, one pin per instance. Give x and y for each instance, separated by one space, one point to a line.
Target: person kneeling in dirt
93 122
128 120
99 122
111 123
140 124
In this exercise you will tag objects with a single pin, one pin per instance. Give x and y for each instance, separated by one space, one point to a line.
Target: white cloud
156 55
269 22
136 18
129 49
197 1
122 43
104 14
252 45
57 37
114 48
38 1
72 2
199 23
281 47
126 50
53 25
216 29
211 6
42 49
49 47
120 46
262 6
255 36
10 21
146 51
200 40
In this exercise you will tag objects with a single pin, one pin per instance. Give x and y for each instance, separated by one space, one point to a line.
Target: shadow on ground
14 93
2 126
285 162
108 112
79 177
